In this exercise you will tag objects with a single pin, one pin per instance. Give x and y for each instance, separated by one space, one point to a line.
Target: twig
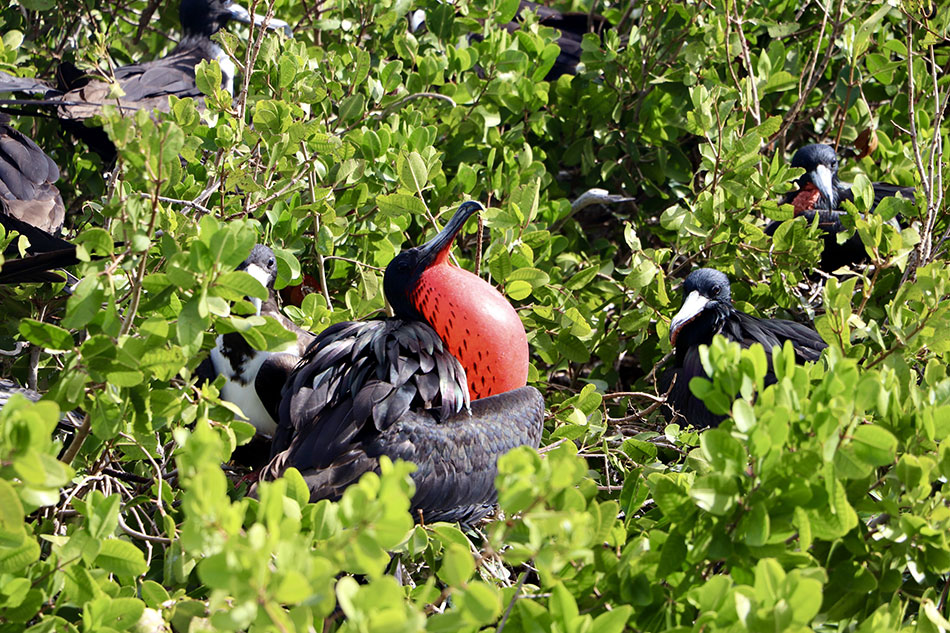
186 203
81 434
813 77
511 603
142 535
382 114
632 394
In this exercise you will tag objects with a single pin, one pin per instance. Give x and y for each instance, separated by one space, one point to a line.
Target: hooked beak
823 179
261 275
437 249
242 15
693 306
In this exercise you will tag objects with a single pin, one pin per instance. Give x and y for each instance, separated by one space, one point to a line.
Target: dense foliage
820 504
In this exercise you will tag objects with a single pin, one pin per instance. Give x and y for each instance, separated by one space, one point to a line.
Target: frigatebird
570 25
253 377
441 384
31 205
147 85
707 310
821 192
69 421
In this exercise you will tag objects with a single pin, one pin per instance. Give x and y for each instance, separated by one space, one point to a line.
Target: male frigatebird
148 85
707 310
442 384
821 192
255 377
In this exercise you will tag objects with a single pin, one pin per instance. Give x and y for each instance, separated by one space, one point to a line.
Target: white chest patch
239 388
227 68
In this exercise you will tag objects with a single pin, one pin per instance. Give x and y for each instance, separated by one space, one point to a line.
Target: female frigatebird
707 310
441 384
821 192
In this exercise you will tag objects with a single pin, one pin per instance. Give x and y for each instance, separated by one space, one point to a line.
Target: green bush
820 503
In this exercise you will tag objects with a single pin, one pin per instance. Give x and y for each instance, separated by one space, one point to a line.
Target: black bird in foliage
255 377
30 204
571 25
707 310
442 384
821 192
147 85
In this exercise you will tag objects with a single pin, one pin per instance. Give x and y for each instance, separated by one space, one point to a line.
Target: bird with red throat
441 384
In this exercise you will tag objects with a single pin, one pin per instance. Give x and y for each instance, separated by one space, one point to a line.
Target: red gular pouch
806 199
479 326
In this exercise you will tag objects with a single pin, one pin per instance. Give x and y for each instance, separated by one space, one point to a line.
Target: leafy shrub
819 503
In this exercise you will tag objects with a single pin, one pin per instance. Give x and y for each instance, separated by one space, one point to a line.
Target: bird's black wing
9 83
356 380
145 86
748 329
27 175
457 458
886 190
45 253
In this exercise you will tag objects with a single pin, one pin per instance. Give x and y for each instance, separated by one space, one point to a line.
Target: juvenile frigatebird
255 377
821 192
148 85
441 384
707 310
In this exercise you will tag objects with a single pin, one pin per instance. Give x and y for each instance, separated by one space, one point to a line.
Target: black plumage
821 192
392 387
147 85
572 26
389 387
707 310
31 205
28 181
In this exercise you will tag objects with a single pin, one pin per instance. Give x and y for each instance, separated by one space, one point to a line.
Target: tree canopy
820 503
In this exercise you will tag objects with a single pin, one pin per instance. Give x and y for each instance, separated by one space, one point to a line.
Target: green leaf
612 621
457 565
121 558
45 334
874 445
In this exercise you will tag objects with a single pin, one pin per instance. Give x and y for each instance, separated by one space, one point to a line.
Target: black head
707 299
821 170
403 272
207 17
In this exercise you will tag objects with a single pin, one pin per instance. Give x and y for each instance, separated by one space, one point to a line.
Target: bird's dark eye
271 262
716 289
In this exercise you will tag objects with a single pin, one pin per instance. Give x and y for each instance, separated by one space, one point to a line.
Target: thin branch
382 114
81 434
511 604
